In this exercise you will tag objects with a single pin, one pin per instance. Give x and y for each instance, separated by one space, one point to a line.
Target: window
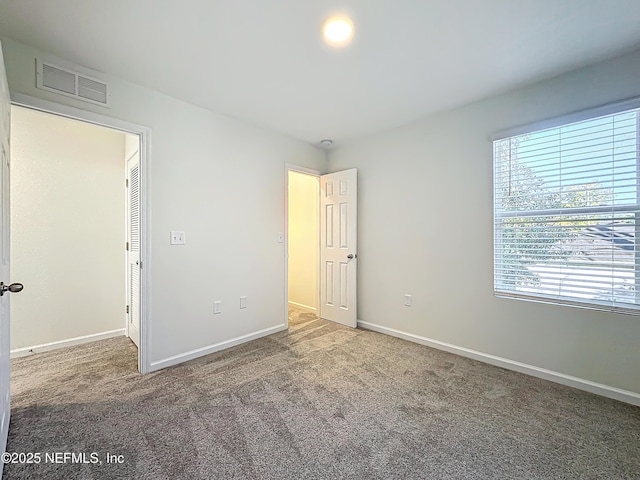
566 207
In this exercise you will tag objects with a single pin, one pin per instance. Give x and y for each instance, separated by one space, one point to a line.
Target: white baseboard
200 352
45 347
571 381
303 307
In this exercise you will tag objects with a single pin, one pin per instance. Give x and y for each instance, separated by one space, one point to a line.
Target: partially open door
338 246
133 247
5 406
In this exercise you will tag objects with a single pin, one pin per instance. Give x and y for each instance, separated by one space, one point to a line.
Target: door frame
312 173
46 106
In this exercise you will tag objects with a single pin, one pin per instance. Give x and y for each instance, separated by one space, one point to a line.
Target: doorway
74 232
321 246
303 233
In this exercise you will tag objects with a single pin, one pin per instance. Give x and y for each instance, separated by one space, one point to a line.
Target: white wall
303 240
221 181
426 228
67 228
131 145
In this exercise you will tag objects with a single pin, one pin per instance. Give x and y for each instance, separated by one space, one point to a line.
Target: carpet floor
320 401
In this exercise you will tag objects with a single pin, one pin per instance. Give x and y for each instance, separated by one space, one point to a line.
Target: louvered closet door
133 253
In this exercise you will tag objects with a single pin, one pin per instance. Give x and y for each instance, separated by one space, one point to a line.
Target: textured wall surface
67 228
303 239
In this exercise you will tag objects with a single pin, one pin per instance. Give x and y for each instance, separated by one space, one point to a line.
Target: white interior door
133 247
338 246
5 405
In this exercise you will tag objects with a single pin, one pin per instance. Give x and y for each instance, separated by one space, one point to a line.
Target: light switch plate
408 300
178 238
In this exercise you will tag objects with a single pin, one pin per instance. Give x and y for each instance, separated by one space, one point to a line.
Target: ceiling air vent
64 81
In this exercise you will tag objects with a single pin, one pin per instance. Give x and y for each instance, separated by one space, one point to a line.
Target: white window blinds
566 206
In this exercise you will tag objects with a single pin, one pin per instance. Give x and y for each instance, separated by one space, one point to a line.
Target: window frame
556 122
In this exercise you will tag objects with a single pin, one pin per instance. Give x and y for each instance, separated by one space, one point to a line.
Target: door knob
351 255
13 288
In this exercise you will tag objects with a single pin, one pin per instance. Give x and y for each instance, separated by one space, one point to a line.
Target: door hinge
127 246
126 182
127 308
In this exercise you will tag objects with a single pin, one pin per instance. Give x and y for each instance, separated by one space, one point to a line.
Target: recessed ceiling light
337 31
326 142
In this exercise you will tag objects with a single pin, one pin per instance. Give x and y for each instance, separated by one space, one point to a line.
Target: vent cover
71 84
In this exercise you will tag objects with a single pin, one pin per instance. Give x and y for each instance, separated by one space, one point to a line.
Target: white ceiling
263 61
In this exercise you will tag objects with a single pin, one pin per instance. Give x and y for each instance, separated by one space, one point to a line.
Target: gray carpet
319 402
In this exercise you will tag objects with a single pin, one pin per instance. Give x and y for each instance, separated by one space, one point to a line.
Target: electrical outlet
217 307
178 238
243 302
407 300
